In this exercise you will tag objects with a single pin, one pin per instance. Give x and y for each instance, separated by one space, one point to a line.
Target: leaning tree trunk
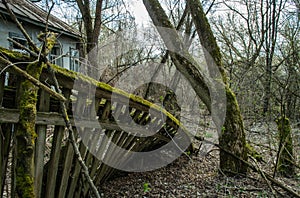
232 137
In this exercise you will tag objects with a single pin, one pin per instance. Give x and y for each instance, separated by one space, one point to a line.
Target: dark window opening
19 38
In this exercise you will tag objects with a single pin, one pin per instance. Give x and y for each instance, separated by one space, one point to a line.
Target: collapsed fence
100 122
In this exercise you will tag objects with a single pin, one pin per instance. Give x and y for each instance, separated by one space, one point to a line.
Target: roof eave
68 33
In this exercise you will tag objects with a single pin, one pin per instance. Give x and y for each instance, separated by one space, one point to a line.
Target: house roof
31 13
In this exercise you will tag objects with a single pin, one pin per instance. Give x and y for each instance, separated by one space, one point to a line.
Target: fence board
2 80
44 105
76 173
66 170
54 161
13 164
7 136
79 110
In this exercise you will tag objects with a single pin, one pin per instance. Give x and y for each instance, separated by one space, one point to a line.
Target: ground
195 177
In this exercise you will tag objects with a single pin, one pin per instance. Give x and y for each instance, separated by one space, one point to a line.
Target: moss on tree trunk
232 138
25 134
286 151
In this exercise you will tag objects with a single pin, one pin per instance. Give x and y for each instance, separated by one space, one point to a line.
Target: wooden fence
57 172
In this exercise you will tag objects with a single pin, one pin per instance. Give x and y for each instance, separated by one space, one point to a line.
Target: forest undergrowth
198 175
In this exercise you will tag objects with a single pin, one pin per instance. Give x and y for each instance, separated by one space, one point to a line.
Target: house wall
64 42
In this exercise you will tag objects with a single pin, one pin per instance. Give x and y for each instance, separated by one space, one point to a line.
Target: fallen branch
263 176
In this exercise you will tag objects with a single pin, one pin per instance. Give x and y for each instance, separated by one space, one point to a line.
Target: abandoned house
65 52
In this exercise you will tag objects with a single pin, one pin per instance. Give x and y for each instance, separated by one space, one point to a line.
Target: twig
210 7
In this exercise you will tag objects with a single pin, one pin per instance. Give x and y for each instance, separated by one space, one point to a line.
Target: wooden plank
19 92
97 167
79 108
1 160
5 149
41 130
76 173
68 157
117 111
92 141
109 155
13 164
106 111
104 144
2 80
96 162
102 152
54 161
66 170
127 140
80 185
12 116
113 155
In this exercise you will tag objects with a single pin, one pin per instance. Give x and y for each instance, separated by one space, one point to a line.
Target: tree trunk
232 137
25 134
92 26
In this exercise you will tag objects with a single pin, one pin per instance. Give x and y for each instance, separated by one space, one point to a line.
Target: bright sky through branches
139 11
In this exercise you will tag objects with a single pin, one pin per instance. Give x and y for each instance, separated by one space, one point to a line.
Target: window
74 59
55 56
18 38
